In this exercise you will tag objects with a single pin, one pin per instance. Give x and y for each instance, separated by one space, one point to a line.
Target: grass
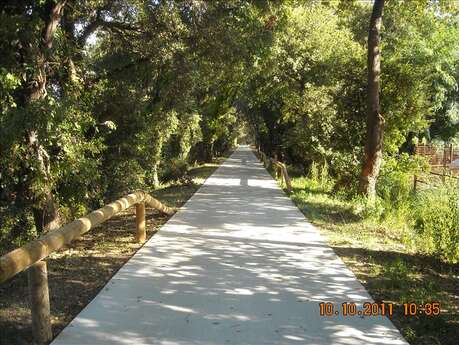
376 252
390 270
79 271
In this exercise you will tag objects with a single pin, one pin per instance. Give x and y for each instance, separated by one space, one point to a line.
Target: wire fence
444 166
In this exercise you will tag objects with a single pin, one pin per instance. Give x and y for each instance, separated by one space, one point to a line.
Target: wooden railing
30 255
280 169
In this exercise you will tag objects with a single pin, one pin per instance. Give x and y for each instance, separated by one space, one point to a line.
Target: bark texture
45 210
375 120
39 303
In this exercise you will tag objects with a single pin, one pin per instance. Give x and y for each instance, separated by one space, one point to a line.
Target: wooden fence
280 169
31 254
443 162
432 179
440 158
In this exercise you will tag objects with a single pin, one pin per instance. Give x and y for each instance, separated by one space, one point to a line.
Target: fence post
39 303
140 234
288 182
444 163
415 183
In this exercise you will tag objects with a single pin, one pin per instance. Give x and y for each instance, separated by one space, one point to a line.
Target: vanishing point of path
238 264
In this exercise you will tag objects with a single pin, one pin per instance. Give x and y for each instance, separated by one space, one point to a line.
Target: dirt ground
79 271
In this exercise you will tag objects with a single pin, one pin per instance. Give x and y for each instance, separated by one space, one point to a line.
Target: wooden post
263 157
444 163
415 181
275 165
288 182
39 303
140 222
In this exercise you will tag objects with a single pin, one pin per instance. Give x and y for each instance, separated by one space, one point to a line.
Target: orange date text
352 309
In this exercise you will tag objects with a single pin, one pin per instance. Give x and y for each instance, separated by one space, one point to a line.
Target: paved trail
238 264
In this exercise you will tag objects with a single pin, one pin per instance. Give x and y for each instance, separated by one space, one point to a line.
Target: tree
305 91
171 82
44 207
375 120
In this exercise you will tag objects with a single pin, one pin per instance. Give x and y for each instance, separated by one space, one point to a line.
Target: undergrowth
403 248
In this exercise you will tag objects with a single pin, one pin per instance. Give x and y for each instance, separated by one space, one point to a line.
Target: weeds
403 248
436 222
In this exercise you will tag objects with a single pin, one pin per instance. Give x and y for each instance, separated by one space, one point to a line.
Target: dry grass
78 272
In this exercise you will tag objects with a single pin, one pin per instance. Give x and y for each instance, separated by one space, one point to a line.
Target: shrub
314 172
395 185
16 228
319 177
174 170
124 176
436 221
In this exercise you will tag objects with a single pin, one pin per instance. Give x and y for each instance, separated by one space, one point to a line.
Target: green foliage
308 90
189 134
319 178
419 68
150 93
126 176
436 215
174 170
425 221
168 83
16 228
396 273
8 83
395 185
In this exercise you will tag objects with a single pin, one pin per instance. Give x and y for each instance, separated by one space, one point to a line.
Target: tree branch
98 22
52 22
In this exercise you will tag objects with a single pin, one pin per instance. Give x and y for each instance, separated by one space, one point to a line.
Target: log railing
31 254
280 169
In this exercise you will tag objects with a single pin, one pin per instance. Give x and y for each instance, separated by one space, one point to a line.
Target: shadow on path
238 264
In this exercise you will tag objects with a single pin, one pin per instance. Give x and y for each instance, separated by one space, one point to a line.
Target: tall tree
375 120
45 209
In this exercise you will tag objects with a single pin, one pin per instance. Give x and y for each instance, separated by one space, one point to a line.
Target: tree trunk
154 171
375 121
45 210
210 152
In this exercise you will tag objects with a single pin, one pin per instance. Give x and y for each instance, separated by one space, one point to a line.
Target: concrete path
238 264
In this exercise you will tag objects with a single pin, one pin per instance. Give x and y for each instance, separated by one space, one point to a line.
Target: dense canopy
358 100
101 97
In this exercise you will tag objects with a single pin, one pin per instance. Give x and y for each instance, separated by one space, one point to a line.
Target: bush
174 170
395 185
16 228
319 177
436 221
124 177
